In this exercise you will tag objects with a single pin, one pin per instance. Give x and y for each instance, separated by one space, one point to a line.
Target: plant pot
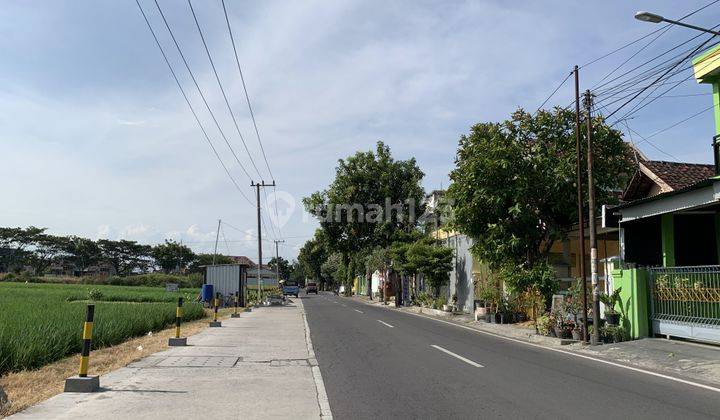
612 318
520 317
488 317
577 334
561 332
447 308
497 318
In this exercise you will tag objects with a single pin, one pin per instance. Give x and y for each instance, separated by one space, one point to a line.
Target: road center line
385 323
466 360
359 311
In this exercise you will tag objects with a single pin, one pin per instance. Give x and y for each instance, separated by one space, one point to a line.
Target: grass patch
42 323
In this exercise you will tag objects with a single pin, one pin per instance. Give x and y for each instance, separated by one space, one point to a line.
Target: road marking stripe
466 360
569 353
359 311
385 323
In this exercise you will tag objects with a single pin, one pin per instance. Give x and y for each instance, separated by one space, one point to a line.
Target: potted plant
612 316
561 326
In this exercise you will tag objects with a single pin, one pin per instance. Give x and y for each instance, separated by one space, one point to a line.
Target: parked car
291 288
311 288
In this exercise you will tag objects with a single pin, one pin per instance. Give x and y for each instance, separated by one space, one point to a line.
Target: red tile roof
679 174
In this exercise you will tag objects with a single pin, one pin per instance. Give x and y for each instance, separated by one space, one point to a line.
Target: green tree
172 256
46 249
284 265
200 260
514 189
14 244
125 256
372 200
432 260
312 255
333 270
354 210
82 252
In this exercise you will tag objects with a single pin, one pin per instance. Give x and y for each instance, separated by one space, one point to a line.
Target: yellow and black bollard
236 314
83 382
177 340
216 303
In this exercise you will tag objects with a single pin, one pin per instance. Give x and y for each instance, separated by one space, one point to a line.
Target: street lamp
654 18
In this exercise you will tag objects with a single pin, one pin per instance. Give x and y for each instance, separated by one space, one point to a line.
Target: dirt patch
27 388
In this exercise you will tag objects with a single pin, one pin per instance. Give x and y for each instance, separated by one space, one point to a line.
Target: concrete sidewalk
260 365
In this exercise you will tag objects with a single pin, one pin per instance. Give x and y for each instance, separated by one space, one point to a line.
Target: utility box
228 279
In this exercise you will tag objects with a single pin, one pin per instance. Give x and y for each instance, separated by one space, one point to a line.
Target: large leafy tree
172 256
15 244
514 187
125 256
312 255
353 211
45 250
208 259
432 260
372 201
283 265
82 252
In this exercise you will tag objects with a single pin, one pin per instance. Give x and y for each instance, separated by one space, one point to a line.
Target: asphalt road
380 363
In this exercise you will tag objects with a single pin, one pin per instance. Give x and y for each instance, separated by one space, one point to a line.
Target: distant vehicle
291 288
311 288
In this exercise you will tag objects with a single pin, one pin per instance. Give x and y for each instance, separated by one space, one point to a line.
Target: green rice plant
41 323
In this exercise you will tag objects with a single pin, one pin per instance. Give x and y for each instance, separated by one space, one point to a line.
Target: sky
97 141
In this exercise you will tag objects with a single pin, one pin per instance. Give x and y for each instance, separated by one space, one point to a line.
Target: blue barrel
207 293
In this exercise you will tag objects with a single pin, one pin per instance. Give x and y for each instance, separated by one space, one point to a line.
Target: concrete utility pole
588 102
257 186
277 259
217 235
580 199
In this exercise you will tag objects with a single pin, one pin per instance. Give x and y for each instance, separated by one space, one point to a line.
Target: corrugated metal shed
226 278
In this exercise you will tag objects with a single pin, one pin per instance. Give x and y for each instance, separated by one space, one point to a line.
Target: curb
323 402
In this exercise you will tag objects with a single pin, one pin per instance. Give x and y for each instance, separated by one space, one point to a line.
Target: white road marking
466 360
569 353
359 311
385 323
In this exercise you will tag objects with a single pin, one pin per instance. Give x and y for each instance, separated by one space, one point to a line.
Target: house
669 230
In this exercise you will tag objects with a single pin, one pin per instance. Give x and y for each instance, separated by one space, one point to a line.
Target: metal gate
685 302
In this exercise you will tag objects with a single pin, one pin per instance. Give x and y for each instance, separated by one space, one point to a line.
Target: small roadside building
228 279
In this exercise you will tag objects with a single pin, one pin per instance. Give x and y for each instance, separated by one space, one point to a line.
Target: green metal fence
686 295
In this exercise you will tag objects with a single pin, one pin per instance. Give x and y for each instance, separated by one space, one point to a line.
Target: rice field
41 323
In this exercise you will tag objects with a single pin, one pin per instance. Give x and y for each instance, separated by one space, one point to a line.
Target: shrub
544 324
614 333
95 294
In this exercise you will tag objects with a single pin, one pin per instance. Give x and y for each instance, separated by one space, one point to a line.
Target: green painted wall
667 226
634 298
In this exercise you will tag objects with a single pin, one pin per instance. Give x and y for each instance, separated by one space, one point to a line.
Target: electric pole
277 259
257 186
217 235
580 199
591 221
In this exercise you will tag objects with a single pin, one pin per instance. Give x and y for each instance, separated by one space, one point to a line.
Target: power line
250 109
680 122
647 35
554 91
187 100
197 86
222 89
247 97
656 80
